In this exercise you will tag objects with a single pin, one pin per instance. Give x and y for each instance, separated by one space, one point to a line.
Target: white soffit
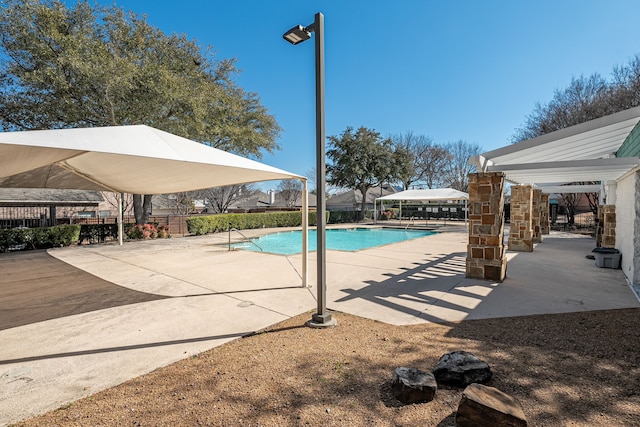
568 171
578 153
548 189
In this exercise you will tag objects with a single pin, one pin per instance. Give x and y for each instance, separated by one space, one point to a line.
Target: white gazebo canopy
432 194
580 153
127 159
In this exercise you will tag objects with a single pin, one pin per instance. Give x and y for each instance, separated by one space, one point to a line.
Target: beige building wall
627 207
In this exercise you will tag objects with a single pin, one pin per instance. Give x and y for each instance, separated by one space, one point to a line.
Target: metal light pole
296 35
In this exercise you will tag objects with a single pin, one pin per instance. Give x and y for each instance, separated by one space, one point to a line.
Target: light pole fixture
296 35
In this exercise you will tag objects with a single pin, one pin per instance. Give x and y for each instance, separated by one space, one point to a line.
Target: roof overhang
567 171
564 189
584 152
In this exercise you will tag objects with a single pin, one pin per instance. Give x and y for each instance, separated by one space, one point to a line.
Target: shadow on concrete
436 285
34 287
124 348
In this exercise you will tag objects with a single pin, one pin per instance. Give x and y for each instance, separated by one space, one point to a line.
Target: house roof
263 200
48 197
354 197
169 201
280 200
584 152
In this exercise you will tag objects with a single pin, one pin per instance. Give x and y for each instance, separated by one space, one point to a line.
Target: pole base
322 321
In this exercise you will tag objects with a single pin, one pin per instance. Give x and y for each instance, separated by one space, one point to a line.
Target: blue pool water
342 239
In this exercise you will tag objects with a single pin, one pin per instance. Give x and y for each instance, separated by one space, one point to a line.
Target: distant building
352 200
43 207
173 204
271 200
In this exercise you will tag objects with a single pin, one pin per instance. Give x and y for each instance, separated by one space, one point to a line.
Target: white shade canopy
584 152
426 195
129 159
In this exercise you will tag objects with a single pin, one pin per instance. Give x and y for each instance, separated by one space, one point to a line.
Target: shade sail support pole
305 234
120 219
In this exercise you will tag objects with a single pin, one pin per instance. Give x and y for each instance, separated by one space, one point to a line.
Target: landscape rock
411 385
482 406
461 368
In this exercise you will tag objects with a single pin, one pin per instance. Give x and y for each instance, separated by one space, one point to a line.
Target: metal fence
34 217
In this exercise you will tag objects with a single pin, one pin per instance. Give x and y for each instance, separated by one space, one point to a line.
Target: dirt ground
577 369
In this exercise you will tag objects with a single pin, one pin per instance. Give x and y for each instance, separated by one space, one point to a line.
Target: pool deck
156 302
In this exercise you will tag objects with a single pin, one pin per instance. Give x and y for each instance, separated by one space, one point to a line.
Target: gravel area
577 369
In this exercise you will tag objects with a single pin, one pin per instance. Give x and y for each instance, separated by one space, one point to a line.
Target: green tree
88 65
406 161
360 160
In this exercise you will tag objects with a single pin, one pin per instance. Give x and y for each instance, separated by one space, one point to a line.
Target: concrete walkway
179 297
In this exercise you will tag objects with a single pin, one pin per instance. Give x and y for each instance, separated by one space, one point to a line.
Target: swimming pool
340 239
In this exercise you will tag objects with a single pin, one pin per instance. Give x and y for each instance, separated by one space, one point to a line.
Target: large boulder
461 368
483 406
411 385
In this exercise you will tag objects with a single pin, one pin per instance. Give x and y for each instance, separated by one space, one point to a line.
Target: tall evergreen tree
360 160
88 65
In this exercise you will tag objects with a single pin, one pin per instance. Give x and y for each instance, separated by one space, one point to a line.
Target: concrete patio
171 299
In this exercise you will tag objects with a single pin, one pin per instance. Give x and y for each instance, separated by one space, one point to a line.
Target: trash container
607 257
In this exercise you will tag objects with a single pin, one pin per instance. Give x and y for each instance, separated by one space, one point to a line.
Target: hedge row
96 233
38 238
341 217
213 223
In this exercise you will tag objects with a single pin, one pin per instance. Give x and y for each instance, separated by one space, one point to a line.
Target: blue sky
450 70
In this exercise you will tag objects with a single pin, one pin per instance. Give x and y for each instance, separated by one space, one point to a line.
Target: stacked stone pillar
486 255
608 226
545 222
521 230
600 223
536 216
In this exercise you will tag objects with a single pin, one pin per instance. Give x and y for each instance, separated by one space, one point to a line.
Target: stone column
521 232
545 223
536 216
609 226
600 223
486 255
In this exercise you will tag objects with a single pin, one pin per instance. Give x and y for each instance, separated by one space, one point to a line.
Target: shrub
163 232
386 215
64 235
39 238
94 233
199 225
340 217
146 231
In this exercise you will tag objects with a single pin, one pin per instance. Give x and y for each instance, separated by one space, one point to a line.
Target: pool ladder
248 240
409 223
